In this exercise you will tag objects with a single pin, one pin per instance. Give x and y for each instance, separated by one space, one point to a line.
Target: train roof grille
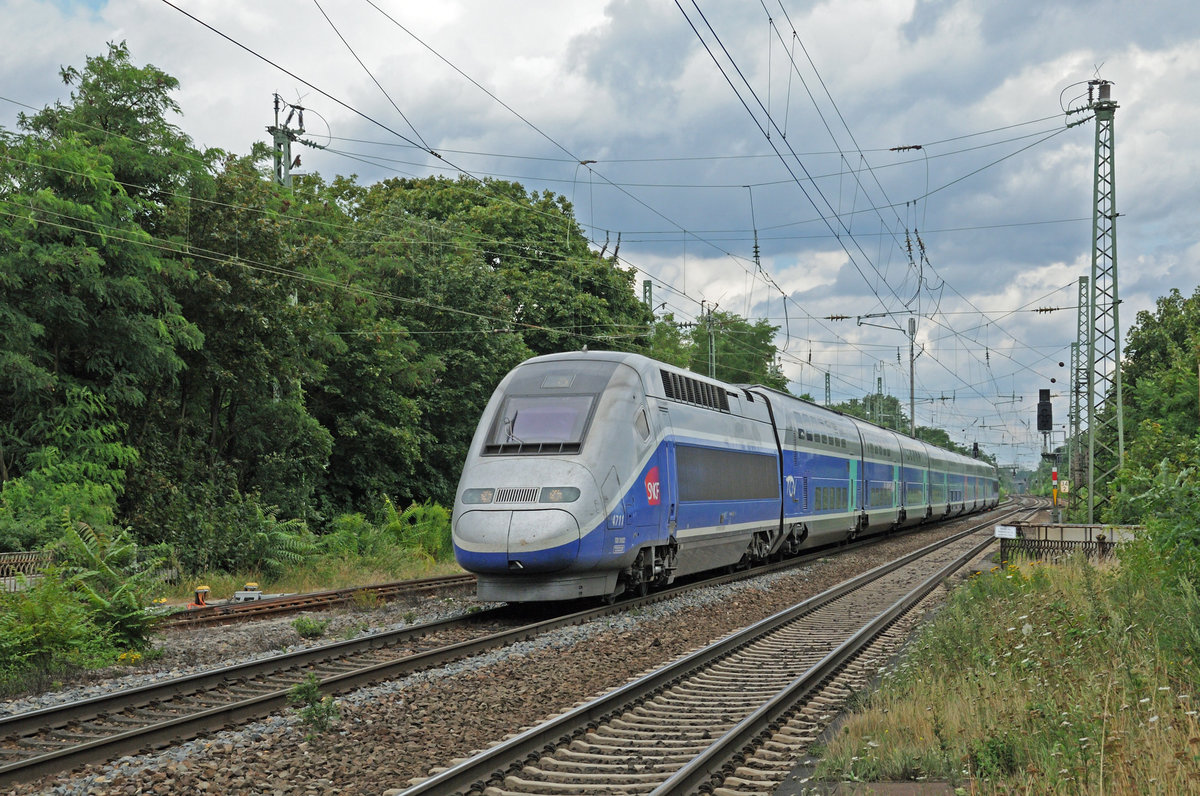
678 387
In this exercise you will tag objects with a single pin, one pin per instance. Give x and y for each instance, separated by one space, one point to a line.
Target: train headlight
475 496
559 494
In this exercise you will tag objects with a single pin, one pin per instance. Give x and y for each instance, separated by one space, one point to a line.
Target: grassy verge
1065 679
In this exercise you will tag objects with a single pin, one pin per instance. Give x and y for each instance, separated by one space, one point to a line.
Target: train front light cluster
547 494
477 496
558 494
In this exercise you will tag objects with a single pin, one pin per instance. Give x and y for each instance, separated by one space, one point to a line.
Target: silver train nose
537 540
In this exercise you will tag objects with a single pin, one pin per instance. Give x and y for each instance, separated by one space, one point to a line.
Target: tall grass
1071 679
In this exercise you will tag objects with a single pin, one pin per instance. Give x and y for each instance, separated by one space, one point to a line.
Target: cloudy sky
841 133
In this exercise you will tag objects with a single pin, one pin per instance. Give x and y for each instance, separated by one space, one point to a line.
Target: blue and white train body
593 473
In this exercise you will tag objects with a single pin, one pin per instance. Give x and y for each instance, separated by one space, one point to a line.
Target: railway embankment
1075 677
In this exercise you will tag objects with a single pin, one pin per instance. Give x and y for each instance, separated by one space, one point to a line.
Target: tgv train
596 473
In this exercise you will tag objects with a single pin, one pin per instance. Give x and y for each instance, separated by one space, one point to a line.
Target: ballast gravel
391 733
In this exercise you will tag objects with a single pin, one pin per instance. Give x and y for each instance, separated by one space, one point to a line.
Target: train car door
668 490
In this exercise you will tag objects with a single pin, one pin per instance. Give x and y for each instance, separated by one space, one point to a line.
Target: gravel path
391 733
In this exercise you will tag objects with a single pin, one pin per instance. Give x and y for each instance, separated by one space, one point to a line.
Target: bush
239 534
316 711
308 627
79 613
46 628
107 576
422 529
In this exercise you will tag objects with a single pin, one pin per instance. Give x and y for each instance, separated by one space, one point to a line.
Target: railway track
313 601
58 738
729 718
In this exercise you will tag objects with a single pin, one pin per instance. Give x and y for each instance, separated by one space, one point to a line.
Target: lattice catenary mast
1105 418
1076 458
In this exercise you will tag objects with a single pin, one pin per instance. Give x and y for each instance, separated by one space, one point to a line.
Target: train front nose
529 541
522 529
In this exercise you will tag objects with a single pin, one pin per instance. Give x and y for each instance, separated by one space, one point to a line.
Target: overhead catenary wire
789 337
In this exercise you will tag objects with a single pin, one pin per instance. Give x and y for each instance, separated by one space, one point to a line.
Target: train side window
642 424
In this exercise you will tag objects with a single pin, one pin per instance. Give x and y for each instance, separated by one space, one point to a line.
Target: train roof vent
693 391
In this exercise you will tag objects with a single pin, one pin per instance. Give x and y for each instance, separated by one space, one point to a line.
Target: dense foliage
1159 484
235 370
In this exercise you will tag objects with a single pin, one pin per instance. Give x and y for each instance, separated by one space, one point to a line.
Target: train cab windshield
547 407
542 421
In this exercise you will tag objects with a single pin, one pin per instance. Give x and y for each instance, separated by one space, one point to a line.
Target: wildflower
1026 629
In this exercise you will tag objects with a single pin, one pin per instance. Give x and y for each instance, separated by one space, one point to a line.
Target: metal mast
912 362
283 136
1076 458
1105 419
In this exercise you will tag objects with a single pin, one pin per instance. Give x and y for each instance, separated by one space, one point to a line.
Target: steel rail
310 601
182 727
702 770
476 771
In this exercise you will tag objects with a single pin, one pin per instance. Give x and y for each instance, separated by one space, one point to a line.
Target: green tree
1162 422
553 289
879 408
79 468
85 308
120 110
449 323
745 352
668 343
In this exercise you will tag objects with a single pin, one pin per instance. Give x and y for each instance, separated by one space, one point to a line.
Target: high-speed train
596 473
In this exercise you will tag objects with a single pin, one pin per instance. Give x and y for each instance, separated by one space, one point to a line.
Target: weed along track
734 714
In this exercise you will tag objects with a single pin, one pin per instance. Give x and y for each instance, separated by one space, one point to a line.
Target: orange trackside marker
201 597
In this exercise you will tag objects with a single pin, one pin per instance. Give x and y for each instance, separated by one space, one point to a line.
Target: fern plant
104 570
422 529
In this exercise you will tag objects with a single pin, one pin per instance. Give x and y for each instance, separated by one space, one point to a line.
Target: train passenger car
822 460
595 473
914 476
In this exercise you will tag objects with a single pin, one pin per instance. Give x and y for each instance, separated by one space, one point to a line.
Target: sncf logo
653 490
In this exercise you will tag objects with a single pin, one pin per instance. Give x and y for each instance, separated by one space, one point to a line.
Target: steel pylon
1105 417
